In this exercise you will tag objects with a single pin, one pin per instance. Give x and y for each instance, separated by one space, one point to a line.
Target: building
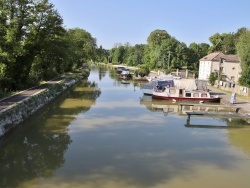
229 65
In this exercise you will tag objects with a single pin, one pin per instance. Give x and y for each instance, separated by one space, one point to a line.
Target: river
105 134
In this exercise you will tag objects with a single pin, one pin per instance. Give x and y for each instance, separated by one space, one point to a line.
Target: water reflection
119 142
102 72
36 148
164 106
240 138
167 107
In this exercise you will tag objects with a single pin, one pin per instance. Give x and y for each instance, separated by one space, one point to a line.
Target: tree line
35 47
166 52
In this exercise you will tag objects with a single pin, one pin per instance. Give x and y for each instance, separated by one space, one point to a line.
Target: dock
206 107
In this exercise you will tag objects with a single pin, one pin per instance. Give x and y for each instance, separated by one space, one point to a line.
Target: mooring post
188 119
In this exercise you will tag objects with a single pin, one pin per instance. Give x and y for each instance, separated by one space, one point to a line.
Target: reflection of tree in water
113 74
240 137
36 148
102 72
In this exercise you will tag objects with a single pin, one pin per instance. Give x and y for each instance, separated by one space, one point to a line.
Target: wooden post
188 119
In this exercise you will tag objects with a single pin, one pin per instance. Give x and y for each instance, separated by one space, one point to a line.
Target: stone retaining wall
17 113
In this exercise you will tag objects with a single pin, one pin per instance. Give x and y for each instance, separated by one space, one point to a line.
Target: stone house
229 65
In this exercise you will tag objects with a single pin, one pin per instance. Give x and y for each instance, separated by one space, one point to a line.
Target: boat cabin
177 92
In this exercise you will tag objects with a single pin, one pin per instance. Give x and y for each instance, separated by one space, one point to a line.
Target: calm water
104 134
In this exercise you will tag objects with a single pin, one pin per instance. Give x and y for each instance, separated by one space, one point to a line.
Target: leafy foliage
142 71
35 46
243 49
213 77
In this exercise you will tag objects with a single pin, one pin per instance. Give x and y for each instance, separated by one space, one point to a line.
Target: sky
132 21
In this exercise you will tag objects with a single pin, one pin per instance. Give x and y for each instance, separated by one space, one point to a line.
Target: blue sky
121 21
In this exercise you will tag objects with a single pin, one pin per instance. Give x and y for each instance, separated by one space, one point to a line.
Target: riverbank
241 101
16 108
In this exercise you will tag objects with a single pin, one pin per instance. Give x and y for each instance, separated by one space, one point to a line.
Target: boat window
188 94
172 91
196 94
203 95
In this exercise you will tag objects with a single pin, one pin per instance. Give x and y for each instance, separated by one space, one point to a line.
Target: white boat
185 90
160 82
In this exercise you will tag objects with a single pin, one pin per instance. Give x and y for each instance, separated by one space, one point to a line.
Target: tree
118 55
213 77
155 40
29 27
82 47
196 52
216 41
229 43
243 50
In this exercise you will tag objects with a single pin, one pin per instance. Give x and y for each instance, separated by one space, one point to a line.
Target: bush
212 78
6 84
142 71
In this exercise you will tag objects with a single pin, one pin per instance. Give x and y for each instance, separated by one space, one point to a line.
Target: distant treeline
166 52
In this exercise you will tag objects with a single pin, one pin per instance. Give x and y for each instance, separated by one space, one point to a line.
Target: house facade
229 65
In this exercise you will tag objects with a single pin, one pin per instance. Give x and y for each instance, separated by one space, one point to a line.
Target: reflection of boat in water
182 108
139 78
155 105
125 82
168 107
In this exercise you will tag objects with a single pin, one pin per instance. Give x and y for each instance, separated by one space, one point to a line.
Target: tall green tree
47 39
243 50
229 43
118 54
216 41
29 27
82 47
155 40
196 52
168 47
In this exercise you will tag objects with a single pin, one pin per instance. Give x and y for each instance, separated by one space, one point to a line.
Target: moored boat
160 81
119 69
189 93
125 74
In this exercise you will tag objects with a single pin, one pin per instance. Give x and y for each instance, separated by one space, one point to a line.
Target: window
172 91
203 95
188 94
196 94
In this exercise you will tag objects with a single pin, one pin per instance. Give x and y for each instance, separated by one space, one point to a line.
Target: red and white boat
185 90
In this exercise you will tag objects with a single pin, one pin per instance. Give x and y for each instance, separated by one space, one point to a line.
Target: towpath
6 102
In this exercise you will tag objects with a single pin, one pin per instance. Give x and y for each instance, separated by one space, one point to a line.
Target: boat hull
212 100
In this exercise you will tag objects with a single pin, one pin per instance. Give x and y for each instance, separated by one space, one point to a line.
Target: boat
119 69
160 81
185 90
125 74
